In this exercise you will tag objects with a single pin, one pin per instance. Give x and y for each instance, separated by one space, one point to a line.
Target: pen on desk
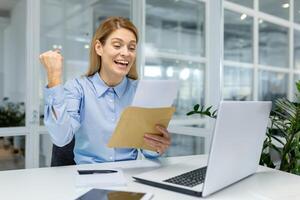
103 171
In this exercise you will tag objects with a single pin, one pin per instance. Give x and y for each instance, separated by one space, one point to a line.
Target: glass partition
295 91
175 27
45 150
12 152
238 83
297 49
297 11
238 37
247 3
12 64
190 74
184 145
174 47
278 8
273 45
273 85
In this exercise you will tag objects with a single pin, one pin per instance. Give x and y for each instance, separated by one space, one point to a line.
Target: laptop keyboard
189 179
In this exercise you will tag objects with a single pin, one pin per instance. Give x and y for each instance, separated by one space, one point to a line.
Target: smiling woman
89 107
112 38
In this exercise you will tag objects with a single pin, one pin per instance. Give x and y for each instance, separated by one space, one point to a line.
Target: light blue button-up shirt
89 109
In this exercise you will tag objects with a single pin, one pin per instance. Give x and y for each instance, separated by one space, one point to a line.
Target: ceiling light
285 5
243 16
260 21
56 46
184 74
86 46
170 71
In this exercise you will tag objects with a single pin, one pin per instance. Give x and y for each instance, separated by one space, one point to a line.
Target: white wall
14 55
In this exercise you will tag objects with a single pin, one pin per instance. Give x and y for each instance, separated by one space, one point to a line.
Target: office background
260 60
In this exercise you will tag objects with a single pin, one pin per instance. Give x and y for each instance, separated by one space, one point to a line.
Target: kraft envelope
135 122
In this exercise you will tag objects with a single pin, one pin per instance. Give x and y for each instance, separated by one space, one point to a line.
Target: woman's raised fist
53 61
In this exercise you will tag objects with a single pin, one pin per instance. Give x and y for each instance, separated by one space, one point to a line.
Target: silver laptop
235 152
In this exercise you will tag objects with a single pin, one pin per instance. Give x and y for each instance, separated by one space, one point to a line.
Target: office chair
62 156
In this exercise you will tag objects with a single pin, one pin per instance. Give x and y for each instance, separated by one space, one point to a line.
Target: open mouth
122 63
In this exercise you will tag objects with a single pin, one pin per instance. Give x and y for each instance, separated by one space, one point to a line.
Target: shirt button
110 100
111 157
113 119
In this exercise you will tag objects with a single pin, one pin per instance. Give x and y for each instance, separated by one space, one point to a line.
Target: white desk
58 183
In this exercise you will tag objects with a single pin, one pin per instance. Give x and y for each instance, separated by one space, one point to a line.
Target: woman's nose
124 51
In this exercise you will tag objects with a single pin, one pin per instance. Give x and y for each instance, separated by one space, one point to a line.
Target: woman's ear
99 48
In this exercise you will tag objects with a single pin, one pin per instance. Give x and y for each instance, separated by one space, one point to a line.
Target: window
175 48
260 69
247 3
183 145
12 54
278 8
297 49
237 83
238 37
296 79
297 11
191 76
12 84
12 152
45 150
238 56
273 85
273 45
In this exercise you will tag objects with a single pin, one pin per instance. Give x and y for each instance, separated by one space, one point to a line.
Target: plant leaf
191 113
196 107
298 86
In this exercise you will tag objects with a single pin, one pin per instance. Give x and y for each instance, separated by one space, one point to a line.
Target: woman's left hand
159 143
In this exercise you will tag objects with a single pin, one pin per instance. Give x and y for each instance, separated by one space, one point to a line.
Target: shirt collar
101 87
121 87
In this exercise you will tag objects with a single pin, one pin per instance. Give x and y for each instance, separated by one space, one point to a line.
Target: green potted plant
283 134
11 114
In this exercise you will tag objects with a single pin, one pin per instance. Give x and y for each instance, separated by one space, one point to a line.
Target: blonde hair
103 31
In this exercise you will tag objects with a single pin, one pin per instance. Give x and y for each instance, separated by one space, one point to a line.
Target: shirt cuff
150 154
54 95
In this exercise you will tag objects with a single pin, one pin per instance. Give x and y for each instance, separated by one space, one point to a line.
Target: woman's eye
132 48
116 46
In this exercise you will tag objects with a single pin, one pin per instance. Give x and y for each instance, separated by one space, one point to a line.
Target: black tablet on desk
99 194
